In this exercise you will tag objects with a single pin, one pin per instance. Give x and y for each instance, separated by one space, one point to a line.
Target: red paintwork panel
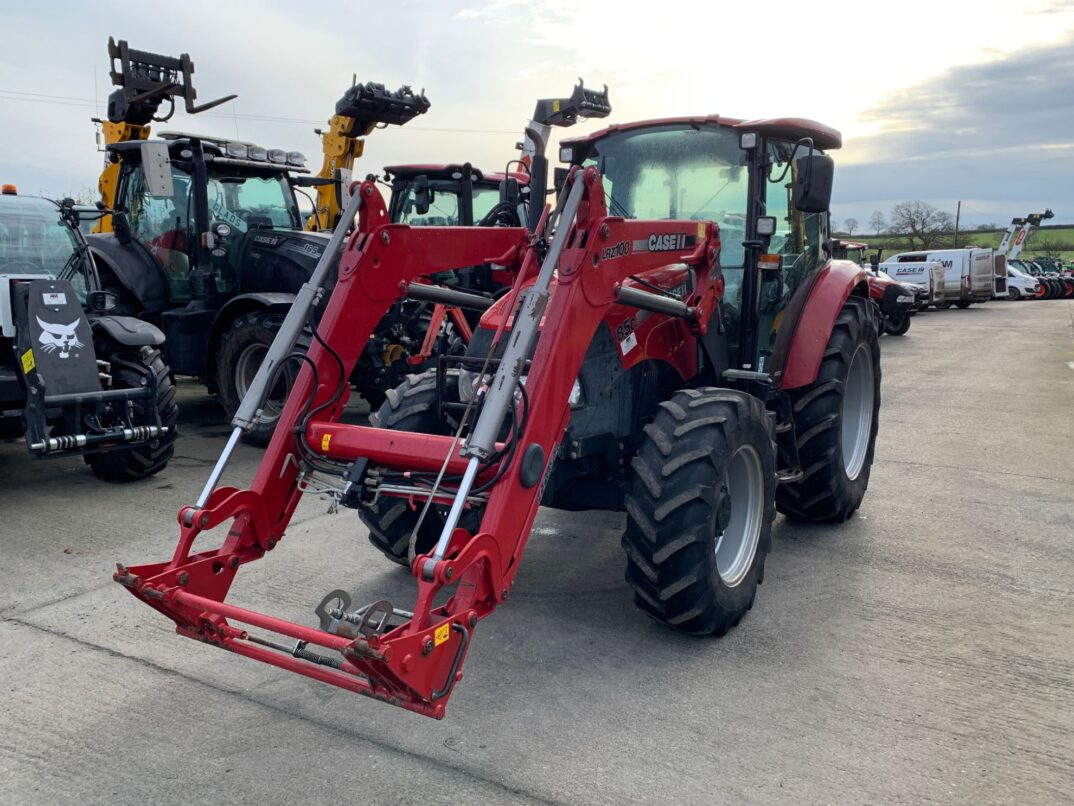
837 280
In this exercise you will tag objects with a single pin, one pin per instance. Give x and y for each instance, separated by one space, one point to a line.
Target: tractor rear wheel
243 347
700 510
412 406
836 419
131 368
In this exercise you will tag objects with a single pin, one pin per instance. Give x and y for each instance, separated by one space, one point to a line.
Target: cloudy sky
937 100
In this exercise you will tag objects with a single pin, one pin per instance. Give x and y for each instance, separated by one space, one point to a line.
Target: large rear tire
836 420
411 406
243 347
131 368
700 510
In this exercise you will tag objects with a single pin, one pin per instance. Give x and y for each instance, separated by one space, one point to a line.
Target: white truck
969 273
913 268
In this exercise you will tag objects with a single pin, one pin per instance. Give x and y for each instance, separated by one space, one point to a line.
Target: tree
851 224
924 224
1049 246
877 222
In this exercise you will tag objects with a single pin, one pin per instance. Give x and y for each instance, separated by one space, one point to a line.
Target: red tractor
677 343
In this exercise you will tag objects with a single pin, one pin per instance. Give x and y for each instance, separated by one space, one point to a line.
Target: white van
916 269
968 273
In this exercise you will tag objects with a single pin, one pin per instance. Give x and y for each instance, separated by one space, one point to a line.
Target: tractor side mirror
559 178
157 168
509 191
101 301
813 184
121 226
423 194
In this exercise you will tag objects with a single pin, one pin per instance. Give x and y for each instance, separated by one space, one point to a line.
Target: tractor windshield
247 201
34 239
445 209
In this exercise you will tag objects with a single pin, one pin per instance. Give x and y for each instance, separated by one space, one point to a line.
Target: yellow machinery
145 81
362 108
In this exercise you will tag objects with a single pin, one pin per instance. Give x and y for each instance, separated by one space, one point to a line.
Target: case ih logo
621 249
667 243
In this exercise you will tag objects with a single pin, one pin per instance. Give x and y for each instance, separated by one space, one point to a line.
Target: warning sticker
54 298
28 362
441 634
324 441
628 343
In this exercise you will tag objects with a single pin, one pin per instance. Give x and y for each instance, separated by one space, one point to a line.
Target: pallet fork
414 658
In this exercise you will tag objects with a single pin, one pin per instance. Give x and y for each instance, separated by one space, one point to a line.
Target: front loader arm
414 658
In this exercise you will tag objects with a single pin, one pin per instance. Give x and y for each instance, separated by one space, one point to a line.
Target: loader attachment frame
414 658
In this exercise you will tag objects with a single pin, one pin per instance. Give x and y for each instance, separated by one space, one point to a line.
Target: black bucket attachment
372 104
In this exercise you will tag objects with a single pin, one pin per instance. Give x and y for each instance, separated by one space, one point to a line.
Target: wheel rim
736 546
249 361
857 411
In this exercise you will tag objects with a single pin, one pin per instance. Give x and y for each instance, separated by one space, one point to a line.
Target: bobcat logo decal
59 337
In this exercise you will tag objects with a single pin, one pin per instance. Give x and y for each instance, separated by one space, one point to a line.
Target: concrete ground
921 652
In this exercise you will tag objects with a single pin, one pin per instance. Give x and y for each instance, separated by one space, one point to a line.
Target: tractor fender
128 331
834 284
134 268
232 310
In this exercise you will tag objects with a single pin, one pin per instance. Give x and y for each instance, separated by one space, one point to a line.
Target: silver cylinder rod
295 321
501 393
453 516
282 345
523 335
218 470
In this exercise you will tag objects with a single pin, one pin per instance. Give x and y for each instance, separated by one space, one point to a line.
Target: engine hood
280 260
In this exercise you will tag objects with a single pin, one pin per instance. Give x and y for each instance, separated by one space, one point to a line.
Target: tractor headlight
258 153
277 155
238 150
296 158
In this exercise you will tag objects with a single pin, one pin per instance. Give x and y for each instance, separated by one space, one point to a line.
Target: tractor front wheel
242 349
897 324
700 510
412 406
835 420
132 368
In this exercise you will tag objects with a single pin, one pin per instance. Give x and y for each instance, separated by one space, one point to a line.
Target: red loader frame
416 663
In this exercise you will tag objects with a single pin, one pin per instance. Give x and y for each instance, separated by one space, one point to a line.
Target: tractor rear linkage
414 659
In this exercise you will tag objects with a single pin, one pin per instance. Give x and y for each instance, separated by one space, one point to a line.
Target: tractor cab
447 195
188 224
766 183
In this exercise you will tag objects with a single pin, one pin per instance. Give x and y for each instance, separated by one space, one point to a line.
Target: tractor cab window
164 225
443 205
34 239
797 241
246 202
485 198
682 172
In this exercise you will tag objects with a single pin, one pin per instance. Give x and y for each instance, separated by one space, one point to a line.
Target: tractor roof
824 137
450 171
